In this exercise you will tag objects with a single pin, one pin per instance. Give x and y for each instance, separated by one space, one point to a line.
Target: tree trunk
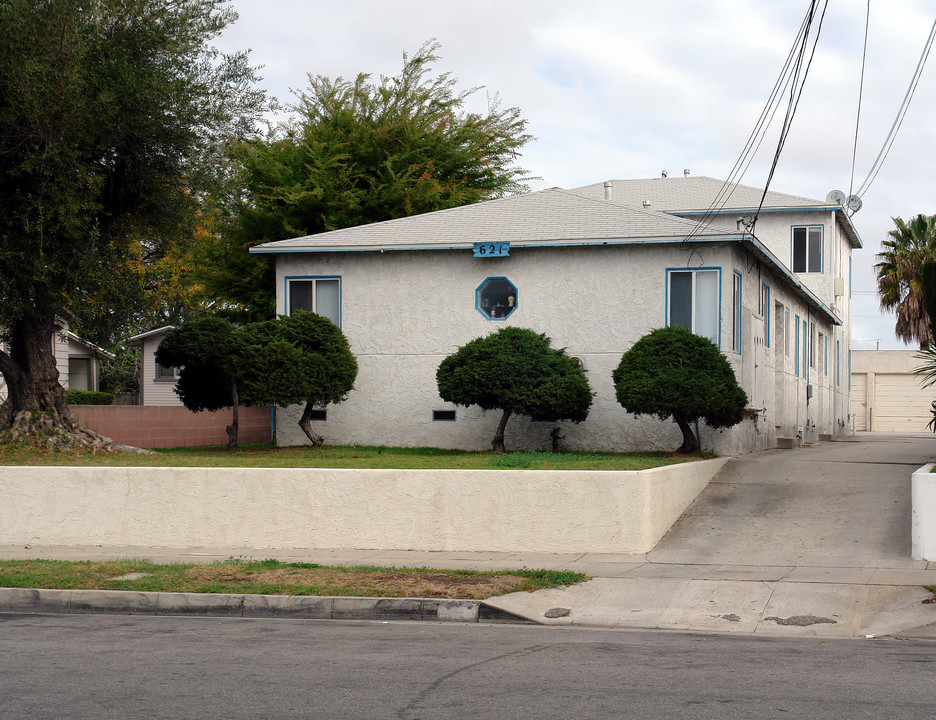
306 425
498 442
690 443
231 429
36 411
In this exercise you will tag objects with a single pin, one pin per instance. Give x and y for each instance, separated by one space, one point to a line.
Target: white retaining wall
434 510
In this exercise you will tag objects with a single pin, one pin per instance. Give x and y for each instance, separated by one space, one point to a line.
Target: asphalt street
109 666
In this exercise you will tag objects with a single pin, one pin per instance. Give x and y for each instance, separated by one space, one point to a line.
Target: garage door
901 404
859 397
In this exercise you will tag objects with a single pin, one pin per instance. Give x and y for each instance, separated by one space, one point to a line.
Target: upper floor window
693 301
807 249
321 295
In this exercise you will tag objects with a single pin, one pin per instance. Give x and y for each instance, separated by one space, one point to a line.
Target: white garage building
886 396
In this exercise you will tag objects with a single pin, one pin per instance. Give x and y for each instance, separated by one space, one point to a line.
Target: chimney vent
607 188
664 173
685 172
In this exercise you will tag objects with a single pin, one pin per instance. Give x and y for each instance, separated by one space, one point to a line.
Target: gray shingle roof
546 217
696 194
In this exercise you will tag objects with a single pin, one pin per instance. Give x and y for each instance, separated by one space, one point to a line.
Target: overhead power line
901 113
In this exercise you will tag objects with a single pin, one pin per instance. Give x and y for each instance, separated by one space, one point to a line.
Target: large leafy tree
900 275
361 151
515 370
113 117
674 372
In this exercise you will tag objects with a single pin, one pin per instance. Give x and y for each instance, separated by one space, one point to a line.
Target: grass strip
349 456
273 577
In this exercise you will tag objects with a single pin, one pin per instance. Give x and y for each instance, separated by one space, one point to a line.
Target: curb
126 602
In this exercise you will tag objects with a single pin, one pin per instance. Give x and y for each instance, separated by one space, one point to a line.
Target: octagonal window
496 298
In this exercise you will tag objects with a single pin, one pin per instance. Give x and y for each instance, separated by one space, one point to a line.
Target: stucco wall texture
433 510
404 312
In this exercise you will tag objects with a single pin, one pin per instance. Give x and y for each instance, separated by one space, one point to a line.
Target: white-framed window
321 295
823 355
736 289
693 298
79 373
807 249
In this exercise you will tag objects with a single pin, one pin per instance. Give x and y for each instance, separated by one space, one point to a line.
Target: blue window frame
693 301
796 346
806 248
496 298
805 350
736 305
318 294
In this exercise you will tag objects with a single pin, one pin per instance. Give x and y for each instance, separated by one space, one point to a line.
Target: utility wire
864 54
789 79
901 113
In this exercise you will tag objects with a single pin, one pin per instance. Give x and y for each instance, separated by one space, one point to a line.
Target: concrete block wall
162 426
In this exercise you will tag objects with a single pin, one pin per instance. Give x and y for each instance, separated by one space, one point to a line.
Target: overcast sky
629 88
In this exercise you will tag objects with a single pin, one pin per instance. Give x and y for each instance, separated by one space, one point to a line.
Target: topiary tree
297 358
515 370
205 351
674 372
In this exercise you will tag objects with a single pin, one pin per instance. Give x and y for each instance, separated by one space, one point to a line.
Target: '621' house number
491 249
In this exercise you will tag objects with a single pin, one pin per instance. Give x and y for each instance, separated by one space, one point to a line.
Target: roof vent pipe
685 172
664 173
607 187
646 204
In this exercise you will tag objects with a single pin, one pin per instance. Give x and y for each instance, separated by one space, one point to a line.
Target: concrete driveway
810 541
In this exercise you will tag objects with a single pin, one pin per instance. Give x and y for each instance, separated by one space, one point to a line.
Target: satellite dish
837 197
854 203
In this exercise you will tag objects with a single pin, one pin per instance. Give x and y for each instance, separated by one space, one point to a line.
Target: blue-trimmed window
765 311
812 344
807 249
321 295
693 299
805 350
736 290
796 352
496 298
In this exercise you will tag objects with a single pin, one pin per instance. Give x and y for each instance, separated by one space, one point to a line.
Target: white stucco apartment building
595 268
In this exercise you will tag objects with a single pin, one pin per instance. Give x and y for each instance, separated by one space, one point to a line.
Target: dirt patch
327 581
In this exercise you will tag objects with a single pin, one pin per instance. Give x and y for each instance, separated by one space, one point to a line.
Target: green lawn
272 577
349 456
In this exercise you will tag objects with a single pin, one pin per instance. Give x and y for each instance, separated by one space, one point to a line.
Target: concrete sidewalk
807 542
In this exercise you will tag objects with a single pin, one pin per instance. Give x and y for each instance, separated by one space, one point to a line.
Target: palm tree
900 275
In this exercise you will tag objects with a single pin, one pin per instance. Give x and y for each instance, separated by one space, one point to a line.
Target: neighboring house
157 383
77 361
886 396
595 268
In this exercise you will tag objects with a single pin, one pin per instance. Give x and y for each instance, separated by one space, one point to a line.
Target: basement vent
318 415
448 415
